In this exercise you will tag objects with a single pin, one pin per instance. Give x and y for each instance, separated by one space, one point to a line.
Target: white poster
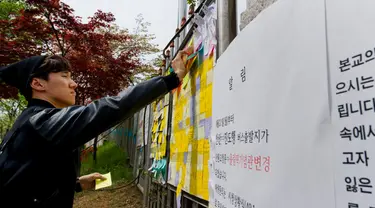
351 45
271 142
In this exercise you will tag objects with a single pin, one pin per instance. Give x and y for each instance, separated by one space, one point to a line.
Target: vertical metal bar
133 147
227 23
175 200
169 197
158 197
182 12
147 148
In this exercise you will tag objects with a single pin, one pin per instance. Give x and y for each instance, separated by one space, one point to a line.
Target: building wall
253 8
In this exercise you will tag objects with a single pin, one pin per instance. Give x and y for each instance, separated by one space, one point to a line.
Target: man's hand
88 181
178 64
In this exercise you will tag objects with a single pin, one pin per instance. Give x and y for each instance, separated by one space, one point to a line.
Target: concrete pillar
253 8
227 23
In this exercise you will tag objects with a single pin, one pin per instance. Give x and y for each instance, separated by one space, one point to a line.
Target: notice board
293 109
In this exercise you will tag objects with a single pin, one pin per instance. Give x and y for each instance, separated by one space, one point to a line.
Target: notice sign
352 71
271 145
294 109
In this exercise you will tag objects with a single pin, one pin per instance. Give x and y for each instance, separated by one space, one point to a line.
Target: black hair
51 64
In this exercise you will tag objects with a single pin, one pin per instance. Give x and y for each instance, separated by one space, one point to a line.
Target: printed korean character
249 205
218 123
265 135
354 108
357 60
231 83
243 203
346 134
359 132
367 82
231 159
362 157
351 187
237 201
369 55
365 185
245 161
370 132
232 139
250 162
226 120
243 74
343 110
237 159
232 118
353 85
246 136
340 88
349 158
230 196
369 105
251 136
344 65
353 205
233 135
226 138
267 163
257 135
258 162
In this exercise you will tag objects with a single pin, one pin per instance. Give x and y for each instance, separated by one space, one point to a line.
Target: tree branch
48 48
48 16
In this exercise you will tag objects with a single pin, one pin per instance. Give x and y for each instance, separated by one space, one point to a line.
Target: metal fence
127 134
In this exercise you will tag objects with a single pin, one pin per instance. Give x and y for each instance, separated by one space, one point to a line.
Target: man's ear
38 84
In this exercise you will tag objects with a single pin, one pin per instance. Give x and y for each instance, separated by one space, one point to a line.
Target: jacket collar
39 102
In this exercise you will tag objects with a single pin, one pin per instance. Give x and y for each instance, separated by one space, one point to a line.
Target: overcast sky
162 14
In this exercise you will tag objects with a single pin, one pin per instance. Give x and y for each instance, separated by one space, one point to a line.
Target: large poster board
271 142
351 48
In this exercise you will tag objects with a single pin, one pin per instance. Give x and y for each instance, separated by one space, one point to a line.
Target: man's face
60 88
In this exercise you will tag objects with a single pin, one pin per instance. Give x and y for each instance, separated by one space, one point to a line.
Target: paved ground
124 197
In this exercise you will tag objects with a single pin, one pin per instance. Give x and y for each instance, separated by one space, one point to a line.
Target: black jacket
39 161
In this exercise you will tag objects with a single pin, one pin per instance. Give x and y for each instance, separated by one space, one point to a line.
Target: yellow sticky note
104 183
210 76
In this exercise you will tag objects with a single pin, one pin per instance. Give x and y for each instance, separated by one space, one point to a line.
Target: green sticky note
104 183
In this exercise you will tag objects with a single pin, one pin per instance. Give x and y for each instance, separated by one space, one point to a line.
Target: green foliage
9 8
10 109
110 158
190 2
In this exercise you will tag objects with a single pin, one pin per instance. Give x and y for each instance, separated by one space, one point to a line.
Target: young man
39 157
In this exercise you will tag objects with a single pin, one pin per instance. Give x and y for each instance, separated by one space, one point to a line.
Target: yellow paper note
104 183
210 77
208 101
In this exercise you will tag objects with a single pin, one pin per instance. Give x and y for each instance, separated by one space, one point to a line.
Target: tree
98 69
